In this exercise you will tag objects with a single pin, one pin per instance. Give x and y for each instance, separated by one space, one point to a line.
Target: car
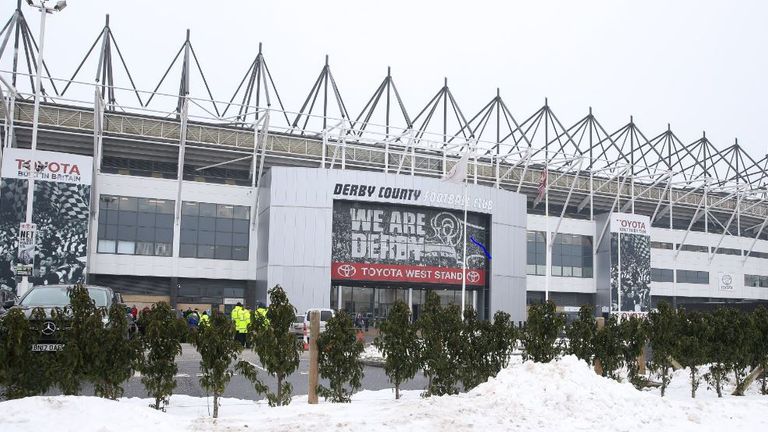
300 325
325 315
50 297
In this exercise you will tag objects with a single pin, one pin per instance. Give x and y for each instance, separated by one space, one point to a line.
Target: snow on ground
563 395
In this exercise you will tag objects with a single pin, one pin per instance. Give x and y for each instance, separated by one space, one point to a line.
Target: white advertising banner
47 166
26 253
725 281
628 223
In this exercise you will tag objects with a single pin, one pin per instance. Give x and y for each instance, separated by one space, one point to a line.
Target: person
134 312
192 320
187 312
359 321
241 318
204 319
261 311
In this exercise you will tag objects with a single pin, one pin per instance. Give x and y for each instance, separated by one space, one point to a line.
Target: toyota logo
346 270
473 276
49 328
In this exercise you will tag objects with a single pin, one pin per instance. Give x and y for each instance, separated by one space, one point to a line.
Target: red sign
341 271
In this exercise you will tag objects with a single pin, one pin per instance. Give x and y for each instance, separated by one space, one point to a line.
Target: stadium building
217 202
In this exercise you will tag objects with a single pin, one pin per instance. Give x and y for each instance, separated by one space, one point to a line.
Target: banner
725 281
47 166
381 242
630 263
60 212
26 255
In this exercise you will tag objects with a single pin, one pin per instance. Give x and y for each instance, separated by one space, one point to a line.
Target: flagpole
547 240
464 264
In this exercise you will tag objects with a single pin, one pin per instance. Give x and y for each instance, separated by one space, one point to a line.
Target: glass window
693 277
572 255
218 231
756 281
661 245
662 275
137 224
536 253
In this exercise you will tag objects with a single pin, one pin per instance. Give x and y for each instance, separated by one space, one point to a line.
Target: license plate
47 347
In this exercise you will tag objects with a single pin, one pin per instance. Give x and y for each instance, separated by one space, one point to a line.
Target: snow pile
563 395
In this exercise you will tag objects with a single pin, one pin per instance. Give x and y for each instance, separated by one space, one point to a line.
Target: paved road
188 378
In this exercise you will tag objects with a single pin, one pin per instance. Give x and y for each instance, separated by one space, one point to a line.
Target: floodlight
60 5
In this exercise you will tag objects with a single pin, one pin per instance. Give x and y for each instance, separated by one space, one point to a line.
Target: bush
339 359
82 328
607 345
475 350
160 345
692 346
633 339
581 335
663 330
399 343
541 333
276 345
22 372
760 324
218 350
441 333
501 341
115 362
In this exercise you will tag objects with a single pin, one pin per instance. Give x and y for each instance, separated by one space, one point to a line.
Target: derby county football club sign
379 242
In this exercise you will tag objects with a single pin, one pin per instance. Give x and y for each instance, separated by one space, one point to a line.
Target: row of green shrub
730 343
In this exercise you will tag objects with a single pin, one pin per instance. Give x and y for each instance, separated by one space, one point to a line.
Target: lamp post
44 11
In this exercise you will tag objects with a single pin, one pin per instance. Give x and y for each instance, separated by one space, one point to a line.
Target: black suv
50 297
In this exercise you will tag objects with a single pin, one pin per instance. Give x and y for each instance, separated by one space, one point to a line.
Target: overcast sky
699 65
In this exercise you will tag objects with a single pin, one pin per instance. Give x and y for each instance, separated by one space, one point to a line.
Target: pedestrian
261 312
192 321
241 325
134 312
204 319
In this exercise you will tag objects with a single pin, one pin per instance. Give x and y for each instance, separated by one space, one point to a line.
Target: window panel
107 246
163 249
126 232
128 204
164 220
215 231
187 250
241 226
146 235
127 218
188 236
204 251
208 210
240 253
223 225
132 222
147 205
126 247
223 252
146 219
206 223
145 248
165 206
189 208
225 211
242 212
206 237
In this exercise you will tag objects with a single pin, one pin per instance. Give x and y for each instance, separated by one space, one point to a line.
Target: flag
458 173
481 246
542 186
